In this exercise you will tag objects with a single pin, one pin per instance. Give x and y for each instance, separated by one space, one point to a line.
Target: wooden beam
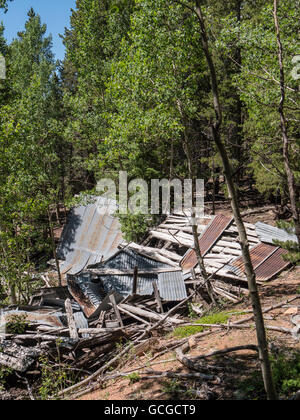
115 272
171 238
157 297
155 254
137 318
71 320
116 309
147 314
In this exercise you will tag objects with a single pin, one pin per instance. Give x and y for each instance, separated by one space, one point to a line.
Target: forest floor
237 367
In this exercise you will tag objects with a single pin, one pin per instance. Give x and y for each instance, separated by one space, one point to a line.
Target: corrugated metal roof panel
90 235
258 254
123 284
268 234
207 240
171 286
266 259
272 266
89 290
80 320
128 259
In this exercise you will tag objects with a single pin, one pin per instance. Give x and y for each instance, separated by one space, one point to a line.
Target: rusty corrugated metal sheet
207 240
266 259
272 266
258 254
91 234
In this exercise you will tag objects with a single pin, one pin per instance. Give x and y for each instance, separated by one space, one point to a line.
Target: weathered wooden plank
157 297
71 320
112 271
213 263
116 309
250 233
137 318
228 244
177 233
147 314
168 237
155 254
227 251
218 257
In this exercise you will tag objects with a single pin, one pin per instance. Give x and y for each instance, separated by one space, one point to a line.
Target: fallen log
271 308
259 210
148 376
251 347
147 314
143 321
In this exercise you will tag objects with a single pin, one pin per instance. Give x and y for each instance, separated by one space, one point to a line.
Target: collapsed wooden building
117 290
165 264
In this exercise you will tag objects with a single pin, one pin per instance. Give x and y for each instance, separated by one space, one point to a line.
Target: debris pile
118 293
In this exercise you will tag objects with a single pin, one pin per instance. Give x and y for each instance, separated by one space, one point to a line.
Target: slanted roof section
92 234
267 262
207 240
128 259
269 234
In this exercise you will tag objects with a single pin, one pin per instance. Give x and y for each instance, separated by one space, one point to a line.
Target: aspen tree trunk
54 249
284 130
200 258
257 310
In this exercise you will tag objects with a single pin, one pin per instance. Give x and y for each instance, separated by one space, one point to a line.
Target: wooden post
71 320
157 298
135 281
116 309
101 319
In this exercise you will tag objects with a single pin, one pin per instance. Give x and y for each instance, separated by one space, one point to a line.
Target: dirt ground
235 366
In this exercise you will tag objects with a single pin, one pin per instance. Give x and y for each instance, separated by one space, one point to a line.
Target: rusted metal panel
258 254
207 240
272 266
266 259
